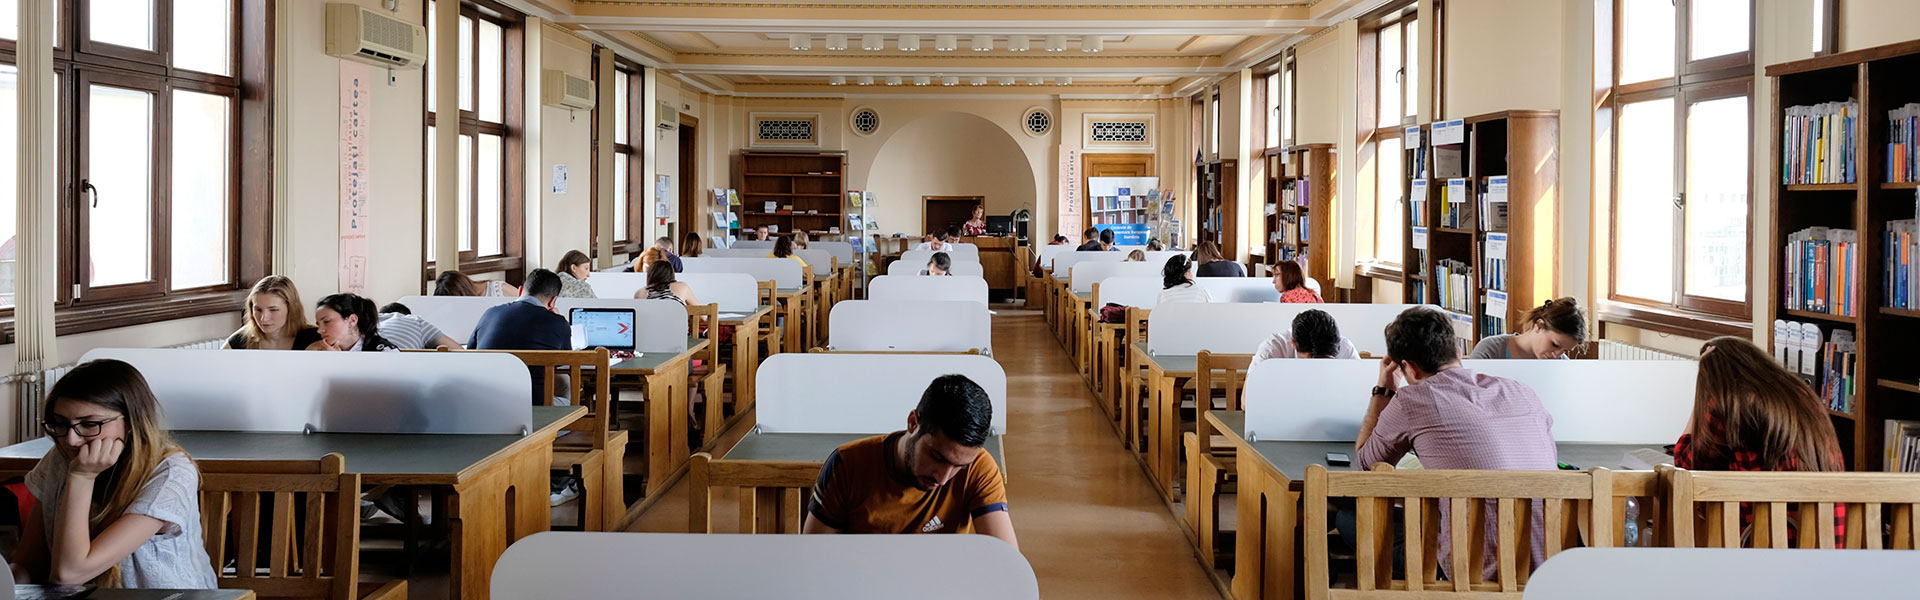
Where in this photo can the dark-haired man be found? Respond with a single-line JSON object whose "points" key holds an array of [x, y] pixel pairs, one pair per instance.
{"points": [[532, 323], [934, 477], [1313, 335], [1452, 417], [1090, 241]]}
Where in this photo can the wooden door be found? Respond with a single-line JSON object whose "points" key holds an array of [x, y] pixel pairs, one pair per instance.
{"points": [[1108, 165], [690, 191], [947, 212]]}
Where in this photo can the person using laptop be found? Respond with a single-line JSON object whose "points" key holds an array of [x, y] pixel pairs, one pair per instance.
{"points": [[934, 477], [530, 323]]}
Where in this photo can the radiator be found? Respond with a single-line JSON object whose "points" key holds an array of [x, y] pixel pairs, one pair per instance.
{"points": [[1612, 350], [29, 391]]}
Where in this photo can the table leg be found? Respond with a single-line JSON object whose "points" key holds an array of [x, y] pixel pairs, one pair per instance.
{"points": [[746, 362], [1165, 433], [529, 473], [659, 430], [680, 415], [478, 529], [790, 310]]}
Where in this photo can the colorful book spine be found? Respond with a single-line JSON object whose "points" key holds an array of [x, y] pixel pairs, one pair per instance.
{"points": [[1822, 271], [1817, 144]]}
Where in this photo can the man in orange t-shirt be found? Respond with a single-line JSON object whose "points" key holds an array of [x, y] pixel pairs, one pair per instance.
{"points": [[934, 477]]}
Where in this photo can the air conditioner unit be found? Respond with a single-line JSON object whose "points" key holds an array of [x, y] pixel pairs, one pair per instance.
{"points": [[564, 90], [669, 117], [369, 36]]}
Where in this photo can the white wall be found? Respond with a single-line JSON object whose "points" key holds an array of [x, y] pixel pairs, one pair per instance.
{"points": [[566, 138]]}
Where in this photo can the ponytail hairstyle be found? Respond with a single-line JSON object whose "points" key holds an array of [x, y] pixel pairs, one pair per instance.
{"points": [[1175, 273], [1756, 406], [368, 324], [117, 386], [1562, 315]]}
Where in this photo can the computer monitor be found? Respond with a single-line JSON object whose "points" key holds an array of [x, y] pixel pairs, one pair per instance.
{"points": [[1002, 225], [610, 328]]}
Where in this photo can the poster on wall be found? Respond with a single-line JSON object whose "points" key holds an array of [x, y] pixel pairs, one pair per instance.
{"points": [[1070, 217], [356, 112]]}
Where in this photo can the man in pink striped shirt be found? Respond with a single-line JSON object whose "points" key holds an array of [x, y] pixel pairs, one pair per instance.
{"points": [[1452, 417]]}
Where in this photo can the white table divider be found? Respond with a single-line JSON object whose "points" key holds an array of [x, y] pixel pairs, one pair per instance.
{"points": [[783, 271], [962, 268], [1747, 573], [1085, 273], [861, 393], [954, 252], [1238, 289], [334, 392], [1239, 328], [1142, 291], [905, 287], [1063, 264], [909, 326], [819, 262], [659, 325], [1592, 401], [751, 244], [841, 251], [455, 316]]}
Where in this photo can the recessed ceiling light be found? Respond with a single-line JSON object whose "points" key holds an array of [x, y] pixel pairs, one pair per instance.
{"points": [[1066, 81], [799, 41], [946, 42], [872, 42], [837, 80], [922, 80], [909, 43], [950, 80], [1036, 80], [1092, 44], [1006, 81], [893, 80], [836, 41], [1018, 43], [1056, 43], [978, 80], [982, 43], [866, 80]]}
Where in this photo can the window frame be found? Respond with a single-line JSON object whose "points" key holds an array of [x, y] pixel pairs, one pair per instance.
{"points": [[511, 129], [1404, 14], [1712, 78], [78, 62], [630, 146]]}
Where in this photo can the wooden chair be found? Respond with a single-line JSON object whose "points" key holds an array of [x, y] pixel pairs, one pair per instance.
{"points": [[1376, 522], [1210, 473], [1707, 509], [770, 328], [319, 559], [773, 494], [711, 377], [1226, 373], [589, 448]]}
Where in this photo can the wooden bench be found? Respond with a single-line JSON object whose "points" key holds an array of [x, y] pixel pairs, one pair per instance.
{"points": [[1707, 509]]}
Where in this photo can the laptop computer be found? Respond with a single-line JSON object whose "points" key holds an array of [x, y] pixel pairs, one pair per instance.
{"points": [[610, 328]]}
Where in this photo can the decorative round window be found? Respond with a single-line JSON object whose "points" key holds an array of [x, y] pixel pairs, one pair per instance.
{"points": [[1037, 121], [865, 120]]}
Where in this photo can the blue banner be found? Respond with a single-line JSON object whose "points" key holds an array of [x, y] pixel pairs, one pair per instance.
{"points": [[1127, 234]]}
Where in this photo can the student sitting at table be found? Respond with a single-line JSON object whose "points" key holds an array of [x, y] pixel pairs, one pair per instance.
{"points": [[783, 248], [1291, 282], [661, 285], [1058, 240], [348, 323], [275, 319], [800, 239], [665, 244], [1552, 329], [1155, 246], [939, 264], [762, 233], [1209, 263], [935, 242], [1137, 255], [690, 248], [1453, 418], [119, 502], [530, 323], [402, 329], [574, 268], [932, 478], [1313, 335], [1176, 282], [1751, 414], [455, 283], [1090, 241]]}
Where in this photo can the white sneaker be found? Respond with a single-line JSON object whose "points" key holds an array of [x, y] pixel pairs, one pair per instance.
{"points": [[563, 496]]}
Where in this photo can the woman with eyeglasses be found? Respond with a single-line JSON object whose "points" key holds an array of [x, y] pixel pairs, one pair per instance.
{"points": [[119, 502]]}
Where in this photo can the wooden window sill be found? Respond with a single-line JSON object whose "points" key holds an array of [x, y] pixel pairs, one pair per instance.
{"points": [[1380, 270], [69, 320], [1671, 321]]}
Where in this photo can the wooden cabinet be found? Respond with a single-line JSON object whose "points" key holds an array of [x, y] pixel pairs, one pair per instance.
{"points": [[807, 191]]}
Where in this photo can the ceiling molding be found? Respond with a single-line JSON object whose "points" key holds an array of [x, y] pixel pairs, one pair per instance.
{"points": [[929, 6], [1156, 26]]}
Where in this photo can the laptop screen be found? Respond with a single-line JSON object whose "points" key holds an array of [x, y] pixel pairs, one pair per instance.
{"points": [[610, 328]]}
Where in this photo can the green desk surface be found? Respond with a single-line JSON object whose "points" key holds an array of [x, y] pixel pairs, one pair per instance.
{"points": [[1083, 296], [745, 314], [1171, 363], [789, 291], [647, 362], [371, 454], [1291, 458], [46, 591], [814, 446]]}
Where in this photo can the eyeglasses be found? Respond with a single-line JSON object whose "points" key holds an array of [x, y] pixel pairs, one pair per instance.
{"points": [[86, 429]]}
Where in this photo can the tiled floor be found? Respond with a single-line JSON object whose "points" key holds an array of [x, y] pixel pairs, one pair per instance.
{"points": [[1088, 520]]}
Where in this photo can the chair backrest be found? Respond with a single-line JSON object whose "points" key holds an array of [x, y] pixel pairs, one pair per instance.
{"points": [[959, 269], [957, 255], [840, 251], [1241, 327], [1476, 501], [456, 316], [909, 325], [335, 392], [861, 393], [1086, 273], [709, 316], [681, 565], [659, 325], [1794, 509], [551, 365], [786, 272], [319, 495], [1227, 372], [903, 287]]}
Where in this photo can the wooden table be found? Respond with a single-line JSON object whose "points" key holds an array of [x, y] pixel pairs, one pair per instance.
{"points": [[663, 376], [773, 472], [478, 470], [746, 352], [49, 591], [1267, 552], [1162, 404], [792, 306]]}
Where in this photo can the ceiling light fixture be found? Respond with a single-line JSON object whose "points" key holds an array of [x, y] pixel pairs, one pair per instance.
{"points": [[872, 42], [982, 43], [893, 80], [799, 41], [950, 80], [1092, 44], [909, 43], [978, 80], [1066, 81], [866, 80], [837, 80], [836, 41], [1006, 81], [1036, 80], [1056, 43], [1019, 43], [946, 42], [922, 80]]}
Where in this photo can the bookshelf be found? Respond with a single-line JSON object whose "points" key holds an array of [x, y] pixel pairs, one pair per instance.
{"points": [[1299, 192], [1219, 206], [1862, 289], [808, 190], [1459, 253]]}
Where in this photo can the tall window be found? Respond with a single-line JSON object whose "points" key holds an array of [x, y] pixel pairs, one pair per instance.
{"points": [[156, 99], [628, 135], [1287, 91], [1682, 105], [1393, 39], [490, 115]]}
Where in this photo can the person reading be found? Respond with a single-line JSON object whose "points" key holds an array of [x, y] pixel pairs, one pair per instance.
{"points": [[934, 477], [1453, 418], [1091, 241], [1313, 335], [1291, 282], [1176, 283], [938, 264], [1552, 330], [349, 323]]}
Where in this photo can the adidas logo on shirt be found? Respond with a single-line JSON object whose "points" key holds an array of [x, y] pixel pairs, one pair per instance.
{"points": [[932, 526]]}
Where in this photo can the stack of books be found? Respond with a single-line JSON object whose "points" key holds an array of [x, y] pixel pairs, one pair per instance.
{"points": [[1903, 447], [1903, 144], [1902, 266], [1837, 372], [1822, 270], [1456, 281], [1818, 143]]}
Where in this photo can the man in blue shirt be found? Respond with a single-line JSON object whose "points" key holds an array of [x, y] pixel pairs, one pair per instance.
{"points": [[530, 323]]}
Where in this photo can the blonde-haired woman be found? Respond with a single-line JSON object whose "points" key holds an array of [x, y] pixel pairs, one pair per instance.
{"points": [[275, 319], [119, 501]]}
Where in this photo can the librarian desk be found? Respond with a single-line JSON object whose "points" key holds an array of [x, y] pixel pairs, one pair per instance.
{"points": [[1266, 561], [772, 472], [475, 471]]}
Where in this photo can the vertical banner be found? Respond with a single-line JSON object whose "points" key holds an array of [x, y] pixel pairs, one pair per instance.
{"points": [[356, 112], [1070, 217]]}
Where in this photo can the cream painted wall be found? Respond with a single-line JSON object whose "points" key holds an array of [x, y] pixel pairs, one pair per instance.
{"points": [[1317, 67], [566, 138], [945, 154], [1501, 55], [1864, 23]]}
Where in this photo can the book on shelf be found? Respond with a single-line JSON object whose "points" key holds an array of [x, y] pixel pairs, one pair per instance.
{"points": [[1417, 202], [1493, 204], [1822, 271], [1902, 446], [1827, 360], [1903, 144], [1494, 318], [1410, 140], [1455, 280], [1900, 262], [1457, 205], [1493, 261], [1839, 361], [1817, 143]]}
